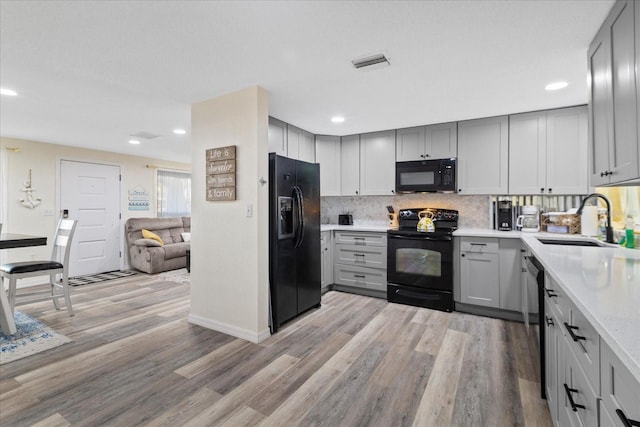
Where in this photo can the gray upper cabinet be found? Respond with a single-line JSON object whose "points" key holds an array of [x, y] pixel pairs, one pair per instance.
{"points": [[483, 156], [377, 163], [427, 142], [441, 140], [350, 165], [329, 157], [567, 151], [637, 32], [410, 144], [277, 137], [548, 152], [613, 112], [300, 144], [527, 153]]}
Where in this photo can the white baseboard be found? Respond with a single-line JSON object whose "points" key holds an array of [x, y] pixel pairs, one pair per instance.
{"points": [[245, 334]]}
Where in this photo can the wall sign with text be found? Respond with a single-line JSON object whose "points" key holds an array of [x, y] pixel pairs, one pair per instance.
{"points": [[221, 174]]}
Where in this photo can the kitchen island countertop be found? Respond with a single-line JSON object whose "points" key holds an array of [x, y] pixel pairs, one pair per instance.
{"points": [[604, 284]]}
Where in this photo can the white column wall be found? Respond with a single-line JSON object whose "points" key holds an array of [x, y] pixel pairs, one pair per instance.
{"points": [[229, 251]]}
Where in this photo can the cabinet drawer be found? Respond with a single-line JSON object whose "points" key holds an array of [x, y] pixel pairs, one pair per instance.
{"points": [[584, 341], [485, 245], [361, 277], [366, 256], [620, 390], [557, 298], [360, 238], [574, 387]]}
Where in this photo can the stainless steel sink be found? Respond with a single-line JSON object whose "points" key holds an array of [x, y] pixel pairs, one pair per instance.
{"points": [[570, 242]]}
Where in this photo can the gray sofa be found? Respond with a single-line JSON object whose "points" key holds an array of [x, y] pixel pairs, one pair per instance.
{"points": [[151, 257]]}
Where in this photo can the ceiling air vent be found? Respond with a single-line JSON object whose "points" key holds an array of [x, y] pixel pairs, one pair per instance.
{"points": [[144, 135], [371, 62]]}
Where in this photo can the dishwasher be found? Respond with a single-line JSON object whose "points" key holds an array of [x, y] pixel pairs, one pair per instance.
{"points": [[533, 289]]}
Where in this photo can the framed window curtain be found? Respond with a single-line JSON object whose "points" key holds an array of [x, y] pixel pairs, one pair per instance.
{"points": [[174, 193]]}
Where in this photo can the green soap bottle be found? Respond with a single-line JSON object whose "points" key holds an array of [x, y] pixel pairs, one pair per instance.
{"points": [[629, 237]]}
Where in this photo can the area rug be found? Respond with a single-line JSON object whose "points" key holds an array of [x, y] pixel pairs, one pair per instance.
{"points": [[97, 278], [31, 337], [179, 276]]}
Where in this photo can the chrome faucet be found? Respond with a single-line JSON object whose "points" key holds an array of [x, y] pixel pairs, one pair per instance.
{"points": [[609, 229]]}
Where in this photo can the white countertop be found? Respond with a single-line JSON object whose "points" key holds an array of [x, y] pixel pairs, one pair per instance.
{"points": [[604, 284], [357, 227]]}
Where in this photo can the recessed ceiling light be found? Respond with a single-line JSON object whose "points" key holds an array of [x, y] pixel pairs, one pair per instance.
{"points": [[556, 85], [337, 119], [134, 141], [179, 131], [8, 92]]}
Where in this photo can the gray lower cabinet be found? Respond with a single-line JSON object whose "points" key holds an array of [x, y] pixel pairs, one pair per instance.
{"points": [[620, 391], [360, 262], [326, 261], [510, 254], [488, 274], [586, 383], [480, 276], [578, 403], [552, 335]]}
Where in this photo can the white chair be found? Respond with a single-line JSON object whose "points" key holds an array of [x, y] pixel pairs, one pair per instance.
{"points": [[58, 265]]}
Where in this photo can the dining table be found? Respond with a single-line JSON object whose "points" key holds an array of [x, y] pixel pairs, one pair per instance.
{"points": [[10, 241]]}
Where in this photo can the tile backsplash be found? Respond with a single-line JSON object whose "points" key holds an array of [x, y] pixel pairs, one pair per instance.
{"points": [[371, 210]]}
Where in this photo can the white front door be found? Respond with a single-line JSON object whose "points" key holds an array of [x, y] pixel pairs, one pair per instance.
{"points": [[90, 193]]}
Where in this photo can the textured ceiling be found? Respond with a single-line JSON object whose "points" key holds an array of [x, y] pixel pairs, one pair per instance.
{"points": [[91, 73]]}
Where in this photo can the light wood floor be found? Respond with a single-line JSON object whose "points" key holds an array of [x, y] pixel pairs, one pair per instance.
{"points": [[356, 361]]}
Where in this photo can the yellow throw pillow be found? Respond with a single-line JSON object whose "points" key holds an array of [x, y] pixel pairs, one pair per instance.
{"points": [[153, 236]]}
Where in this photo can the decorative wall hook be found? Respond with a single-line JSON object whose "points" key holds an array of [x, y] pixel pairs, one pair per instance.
{"points": [[29, 201]]}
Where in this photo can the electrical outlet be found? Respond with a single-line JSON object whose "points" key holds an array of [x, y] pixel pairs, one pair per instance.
{"points": [[48, 212], [249, 210]]}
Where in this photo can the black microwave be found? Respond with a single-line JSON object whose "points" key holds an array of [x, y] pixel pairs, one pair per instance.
{"points": [[438, 175]]}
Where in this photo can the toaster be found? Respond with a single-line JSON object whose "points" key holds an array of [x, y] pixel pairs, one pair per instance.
{"points": [[345, 219]]}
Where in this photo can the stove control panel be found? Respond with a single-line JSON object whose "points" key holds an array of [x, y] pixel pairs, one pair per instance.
{"points": [[434, 213]]}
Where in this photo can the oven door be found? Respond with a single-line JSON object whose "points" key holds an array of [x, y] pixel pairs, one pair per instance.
{"points": [[420, 260]]}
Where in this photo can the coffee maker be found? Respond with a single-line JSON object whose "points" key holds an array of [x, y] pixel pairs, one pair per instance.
{"points": [[505, 215], [529, 220]]}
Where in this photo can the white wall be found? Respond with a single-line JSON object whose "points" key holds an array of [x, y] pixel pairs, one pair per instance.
{"points": [[43, 160], [230, 251]]}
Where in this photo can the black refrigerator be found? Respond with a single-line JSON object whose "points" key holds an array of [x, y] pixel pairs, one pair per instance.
{"points": [[294, 238]]}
